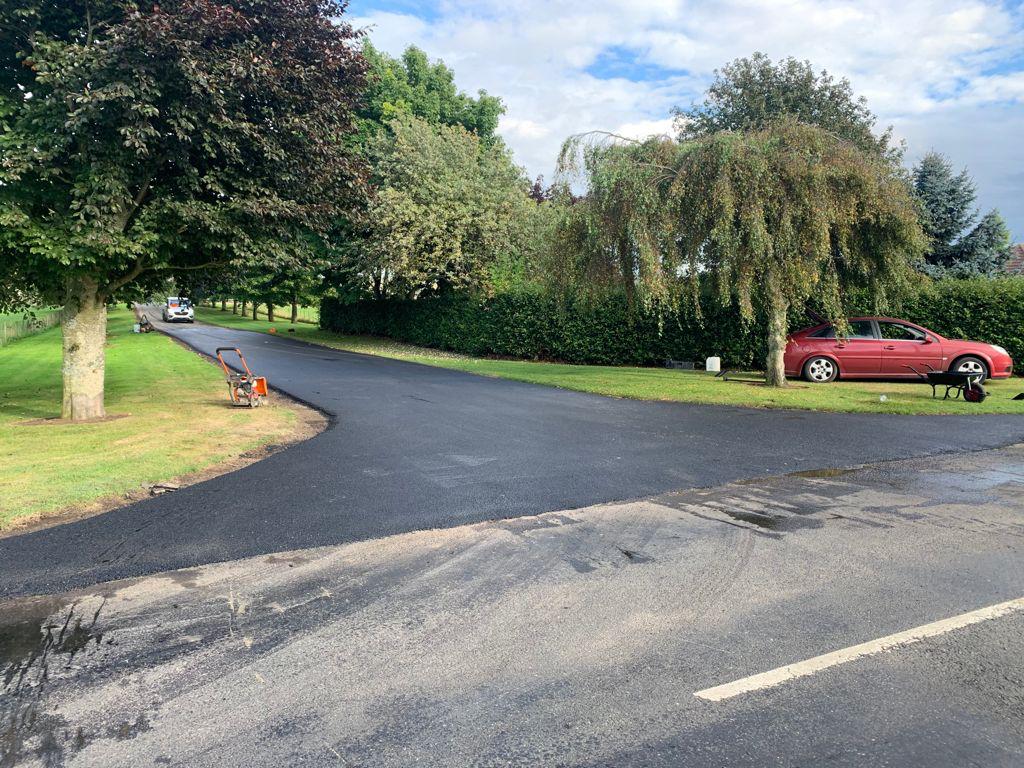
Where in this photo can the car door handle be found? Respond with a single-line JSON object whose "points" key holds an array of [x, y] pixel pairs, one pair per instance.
{"points": [[889, 346]]}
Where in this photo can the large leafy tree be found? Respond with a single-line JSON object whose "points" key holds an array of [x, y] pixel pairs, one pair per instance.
{"points": [[141, 140], [959, 244], [445, 209], [753, 92], [413, 85]]}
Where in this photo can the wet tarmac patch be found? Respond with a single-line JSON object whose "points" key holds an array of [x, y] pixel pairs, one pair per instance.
{"points": [[187, 578], [520, 526], [581, 566], [34, 632], [290, 560], [634, 556], [129, 730]]}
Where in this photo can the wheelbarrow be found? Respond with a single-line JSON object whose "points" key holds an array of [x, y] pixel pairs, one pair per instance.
{"points": [[966, 384], [244, 389]]}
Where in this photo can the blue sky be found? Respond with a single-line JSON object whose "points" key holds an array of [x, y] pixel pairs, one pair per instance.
{"points": [[946, 75]]}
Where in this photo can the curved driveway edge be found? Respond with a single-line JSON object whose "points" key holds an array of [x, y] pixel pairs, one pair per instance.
{"points": [[416, 447]]}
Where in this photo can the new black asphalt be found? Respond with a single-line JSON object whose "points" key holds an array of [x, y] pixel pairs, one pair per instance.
{"points": [[415, 447]]}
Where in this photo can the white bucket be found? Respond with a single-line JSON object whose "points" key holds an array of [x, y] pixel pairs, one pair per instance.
{"points": [[713, 365]]}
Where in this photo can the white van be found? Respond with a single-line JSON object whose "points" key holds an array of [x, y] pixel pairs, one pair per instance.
{"points": [[179, 308]]}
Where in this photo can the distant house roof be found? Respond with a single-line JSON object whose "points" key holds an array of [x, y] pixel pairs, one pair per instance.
{"points": [[1015, 266]]}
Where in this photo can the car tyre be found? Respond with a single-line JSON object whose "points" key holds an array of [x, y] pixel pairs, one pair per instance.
{"points": [[820, 370], [971, 364]]}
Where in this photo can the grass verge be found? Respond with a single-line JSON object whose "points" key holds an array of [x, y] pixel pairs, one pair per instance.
{"points": [[174, 423], [905, 397]]}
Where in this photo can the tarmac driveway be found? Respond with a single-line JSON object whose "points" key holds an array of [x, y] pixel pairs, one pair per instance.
{"points": [[415, 447]]}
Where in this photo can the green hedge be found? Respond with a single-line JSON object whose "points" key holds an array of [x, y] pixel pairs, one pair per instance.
{"points": [[603, 331]]}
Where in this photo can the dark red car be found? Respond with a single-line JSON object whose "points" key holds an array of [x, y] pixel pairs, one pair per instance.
{"points": [[882, 347]]}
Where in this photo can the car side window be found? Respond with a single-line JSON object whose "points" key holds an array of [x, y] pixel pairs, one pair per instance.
{"points": [[901, 332]]}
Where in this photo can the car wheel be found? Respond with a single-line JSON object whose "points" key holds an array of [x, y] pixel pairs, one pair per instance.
{"points": [[820, 370], [971, 364]]}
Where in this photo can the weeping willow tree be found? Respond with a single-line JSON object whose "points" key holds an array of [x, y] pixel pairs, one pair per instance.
{"points": [[792, 213], [620, 232], [774, 218]]}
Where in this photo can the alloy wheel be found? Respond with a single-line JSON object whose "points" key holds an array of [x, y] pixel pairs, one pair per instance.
{"points": [[972, 367], [821, 370]]}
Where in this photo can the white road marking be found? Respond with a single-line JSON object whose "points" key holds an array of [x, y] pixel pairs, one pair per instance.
{"points": [[810, 666]]}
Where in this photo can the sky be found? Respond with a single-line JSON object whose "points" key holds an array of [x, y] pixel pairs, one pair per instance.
{"points": [[947, 76]]}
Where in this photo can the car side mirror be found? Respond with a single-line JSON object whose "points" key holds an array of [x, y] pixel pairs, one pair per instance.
{"points": [[929, 340]]}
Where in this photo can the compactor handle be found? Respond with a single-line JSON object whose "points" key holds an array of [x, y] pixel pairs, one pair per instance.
{"points": [[238, 352]]}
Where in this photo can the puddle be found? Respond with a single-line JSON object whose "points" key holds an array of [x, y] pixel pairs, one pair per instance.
{"points": [[770, 522], [22, 629], [827, 472]]}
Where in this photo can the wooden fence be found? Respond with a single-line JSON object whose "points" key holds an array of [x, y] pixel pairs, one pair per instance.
{"points": [[18, 324]]}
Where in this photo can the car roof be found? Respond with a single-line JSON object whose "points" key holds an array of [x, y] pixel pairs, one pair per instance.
{"points": [[872, 317]]}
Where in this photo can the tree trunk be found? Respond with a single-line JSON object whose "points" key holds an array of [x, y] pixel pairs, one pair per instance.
{"points": [[255, 310], [223, 305], [234, 306], [270, 311], [775, 364], [244, 304], [627, 265], [84, 330], [295, 310]]}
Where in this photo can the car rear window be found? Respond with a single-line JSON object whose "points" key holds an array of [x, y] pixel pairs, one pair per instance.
{"points": [[859, 329]]}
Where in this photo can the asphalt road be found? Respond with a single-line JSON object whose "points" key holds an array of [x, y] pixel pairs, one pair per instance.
{"points": [[415, 447], [574, 638]]}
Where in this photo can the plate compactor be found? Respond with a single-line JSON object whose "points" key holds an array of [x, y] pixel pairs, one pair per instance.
{"points": [[244, 389]]}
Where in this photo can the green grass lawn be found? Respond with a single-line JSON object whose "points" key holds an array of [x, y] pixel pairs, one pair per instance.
{"points": [[169, 397], [658, 383]]}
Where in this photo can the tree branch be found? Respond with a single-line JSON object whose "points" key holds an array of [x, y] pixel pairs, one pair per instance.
{"points": [[140, 266], [88, 25], [137, 202], [137, 269], [205, 265]]}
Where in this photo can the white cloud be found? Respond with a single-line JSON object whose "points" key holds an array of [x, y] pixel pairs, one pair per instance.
{"points": [[934, 69], [642, 129]]}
